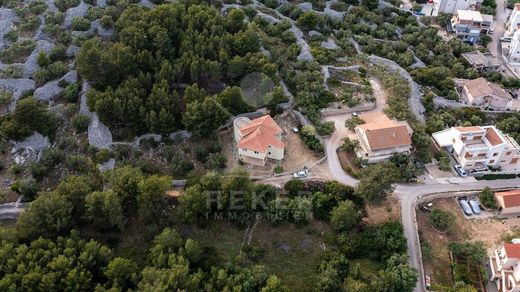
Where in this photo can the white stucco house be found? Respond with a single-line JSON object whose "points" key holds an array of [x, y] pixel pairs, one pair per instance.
{"points": [[258, 139], [478, 148], [482, 93], [505, 267]]}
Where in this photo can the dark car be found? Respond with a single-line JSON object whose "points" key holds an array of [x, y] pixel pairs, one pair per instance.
{"points": [[424, 209]]}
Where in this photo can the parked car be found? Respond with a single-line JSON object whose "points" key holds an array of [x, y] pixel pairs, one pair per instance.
{"points": [[460, 170], [506, 39], [295, 129], [474, 206], [513, 93], [424, 209], [465, 207], [354, 114], [301, 173]]}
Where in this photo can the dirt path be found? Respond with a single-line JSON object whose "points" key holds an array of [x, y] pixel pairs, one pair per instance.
{"points": [[379, 94]]}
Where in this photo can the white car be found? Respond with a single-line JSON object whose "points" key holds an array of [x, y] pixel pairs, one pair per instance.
{"points": [[460, 171], [301, 173], [295, 129]]}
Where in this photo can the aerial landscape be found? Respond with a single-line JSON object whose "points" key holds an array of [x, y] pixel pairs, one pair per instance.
{"points": [[260, 145]]}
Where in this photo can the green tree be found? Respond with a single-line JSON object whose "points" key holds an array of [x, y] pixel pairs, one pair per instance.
{"points": [[487, 198], [376, 182], [441, 220], [344, 216], [49, 215], [121, 272], [124, 181], [399, 276], [104, 210], [152, 197], [194, 204]]}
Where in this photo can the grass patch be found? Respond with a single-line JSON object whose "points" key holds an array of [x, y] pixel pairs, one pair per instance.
{"points": [[291, 253]]}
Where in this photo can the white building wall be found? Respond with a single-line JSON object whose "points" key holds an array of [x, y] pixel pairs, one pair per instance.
{"points": [[513, 22], [514, 49], [451, 6]]}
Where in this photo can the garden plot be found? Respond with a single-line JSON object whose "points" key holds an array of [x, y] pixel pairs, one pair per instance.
{"points": [[350, 88]]}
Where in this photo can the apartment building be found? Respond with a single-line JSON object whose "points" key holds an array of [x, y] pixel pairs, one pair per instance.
{"points": [[505, 267], [514, 49], [451, 6], [380, 137], [479, 149], [468, 25], [514, 21], [482, 93], [258, 139]]}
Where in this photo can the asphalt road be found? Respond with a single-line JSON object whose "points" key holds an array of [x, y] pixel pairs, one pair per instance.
{"points": [[500, 20]]}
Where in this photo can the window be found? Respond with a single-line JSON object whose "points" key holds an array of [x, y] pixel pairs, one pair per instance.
{"points": [[492, 161], [453, 140], [508, 153], [464, 139], [495, 154], [256, 152], [514, 160]]}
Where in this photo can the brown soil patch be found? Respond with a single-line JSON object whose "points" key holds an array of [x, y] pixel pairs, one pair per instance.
{"points": [[389, 211]]}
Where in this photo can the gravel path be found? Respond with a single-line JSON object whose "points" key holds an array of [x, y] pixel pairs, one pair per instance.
{"points": [[414, 101]]}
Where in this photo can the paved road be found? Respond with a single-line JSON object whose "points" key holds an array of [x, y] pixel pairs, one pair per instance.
{"points": [[500, 20], [408, 195]]}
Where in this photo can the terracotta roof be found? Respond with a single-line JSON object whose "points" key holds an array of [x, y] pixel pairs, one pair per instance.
{"points": [[511, 198], [493, 137], [259, 134], [517, 6], [481, 87], [469, 129], [382, 132], [512, 250]]}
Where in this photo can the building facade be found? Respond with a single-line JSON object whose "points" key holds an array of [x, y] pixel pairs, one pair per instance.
{"points": [[505, 267], [514, 21], [380, 137], [508, 201], [258, 139], [514, 49], [468, 25], [480, 149]]}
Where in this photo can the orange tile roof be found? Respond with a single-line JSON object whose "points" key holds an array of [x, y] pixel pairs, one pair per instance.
{"points": [[260, 134], [493, 137], [512, 250], [511, 198], [382, 132], [517, 6]]}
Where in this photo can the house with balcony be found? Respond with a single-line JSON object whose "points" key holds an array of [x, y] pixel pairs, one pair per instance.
{"points": [[505, 267], [480, 149], [482, 93], [381, 137], [468, 25], [513, 24], [258, 139]]}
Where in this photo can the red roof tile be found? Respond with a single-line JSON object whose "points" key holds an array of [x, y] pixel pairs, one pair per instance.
{"points": [[259, 134], [512, 250], [511, 198]]}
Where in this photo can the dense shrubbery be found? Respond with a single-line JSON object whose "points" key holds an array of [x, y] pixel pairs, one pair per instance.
{"points": [[17, 51], [133, 76], [28, 117]]}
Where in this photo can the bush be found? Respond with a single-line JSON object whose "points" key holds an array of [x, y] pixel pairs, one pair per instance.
{"points": [[52, 157], [11, 36], [18, 51], [63, 5], [353, 122], [71, 92], [442, 221], [38, 170], [50, 72], [344, 216], [80, 123], [326, 128], [307, 134], [28, 117], [216, 160], [15, 169], [78, 163], [107, 21], [278, 169], [80, 24], [103, 156], [487, 198], [54, 17], [27, 188]]}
